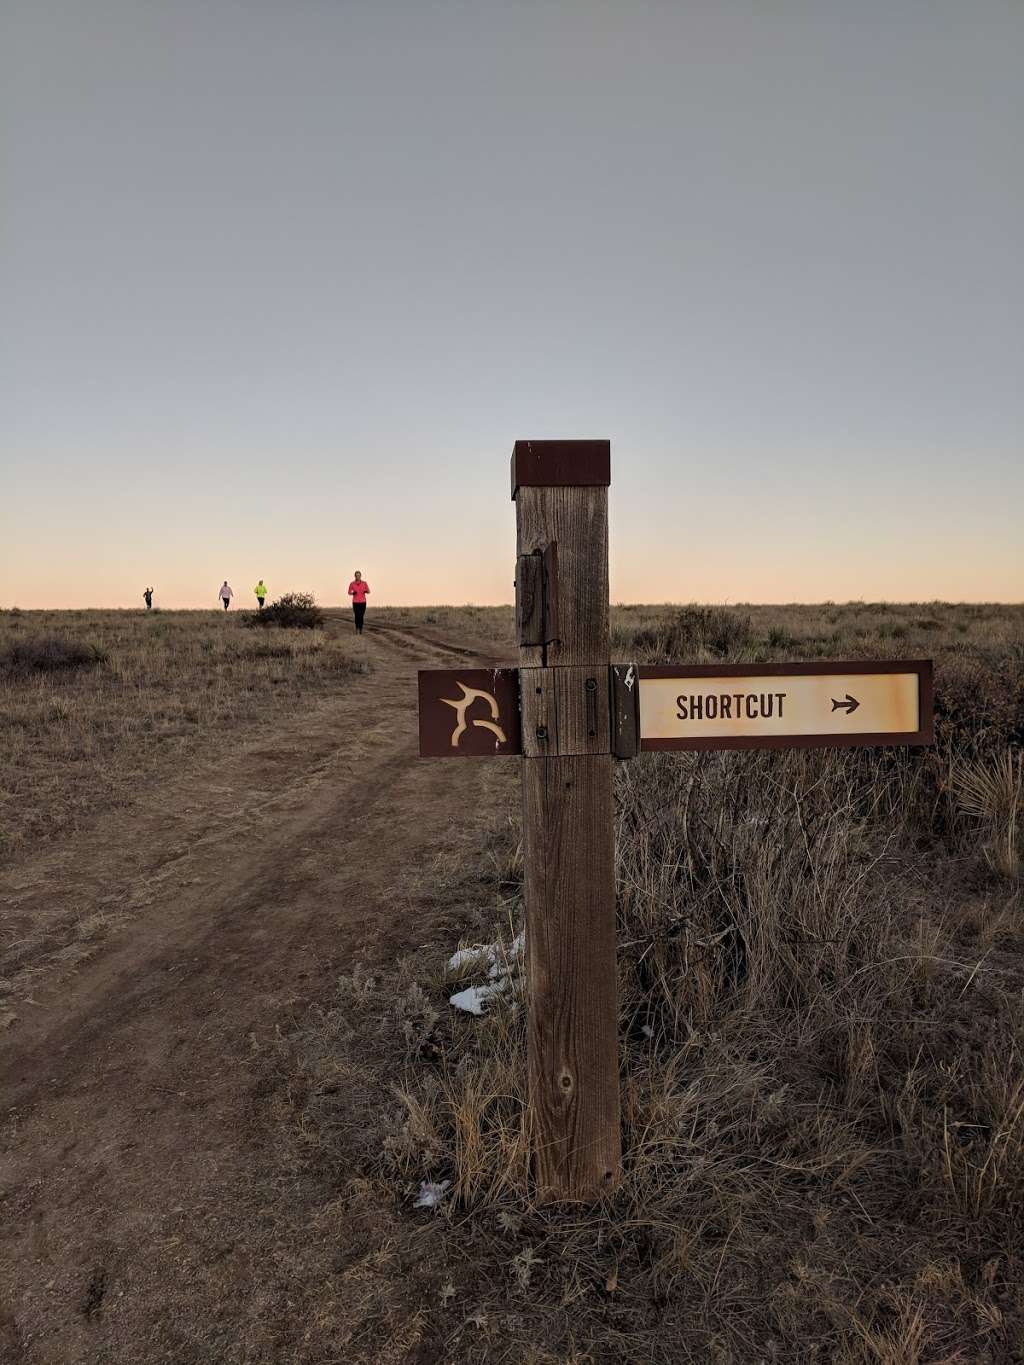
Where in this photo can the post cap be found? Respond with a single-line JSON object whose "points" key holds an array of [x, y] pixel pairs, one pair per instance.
{"points": [[561, 464]]}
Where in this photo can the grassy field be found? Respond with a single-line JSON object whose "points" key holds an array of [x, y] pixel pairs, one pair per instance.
{"points": [[821, 980], [821, 990], [95, 703]]}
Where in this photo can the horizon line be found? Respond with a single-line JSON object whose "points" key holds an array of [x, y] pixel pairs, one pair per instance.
{"points": [[510, 605]]}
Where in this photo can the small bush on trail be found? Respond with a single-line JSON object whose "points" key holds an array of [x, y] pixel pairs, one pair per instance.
{"points": [[294, 609], [50, 654]]}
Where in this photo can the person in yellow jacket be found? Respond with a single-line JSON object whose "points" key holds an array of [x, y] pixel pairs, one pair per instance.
{"points": [[261, 593]]}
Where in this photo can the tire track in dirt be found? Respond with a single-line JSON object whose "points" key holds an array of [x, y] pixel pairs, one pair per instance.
{"points": [[76, 896], [406, 637], [126, 1102]]}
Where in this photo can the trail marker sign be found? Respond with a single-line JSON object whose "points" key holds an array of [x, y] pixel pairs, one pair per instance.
{"points": [[567, 711], [477, 712], [786, 706], [469, 712]]}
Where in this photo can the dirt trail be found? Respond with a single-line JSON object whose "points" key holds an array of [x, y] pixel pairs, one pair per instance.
{"points": [[162, 950]]}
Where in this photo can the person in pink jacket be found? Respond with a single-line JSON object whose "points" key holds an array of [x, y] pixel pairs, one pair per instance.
{"points": [[357, 590], [225, 594]]}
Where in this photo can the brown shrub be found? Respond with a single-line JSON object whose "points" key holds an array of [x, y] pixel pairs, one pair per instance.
{"points": [[721, 632], [50, 654]]}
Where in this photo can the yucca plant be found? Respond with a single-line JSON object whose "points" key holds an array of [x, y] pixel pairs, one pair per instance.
{"points": [[992, 790]]}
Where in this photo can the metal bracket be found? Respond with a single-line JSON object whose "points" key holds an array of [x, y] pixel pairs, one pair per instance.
{"points": [[568, 710], [624, 709], [537, 596], [564, 711]]}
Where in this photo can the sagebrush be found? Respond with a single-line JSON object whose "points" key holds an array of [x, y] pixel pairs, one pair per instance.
{"points": [[293, 611]]}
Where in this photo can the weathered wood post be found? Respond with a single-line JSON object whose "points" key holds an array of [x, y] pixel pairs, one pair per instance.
{"points": [[561, 493], [566, 711]]}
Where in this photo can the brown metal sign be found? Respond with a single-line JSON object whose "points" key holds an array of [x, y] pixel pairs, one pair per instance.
{"points": [[786, 706], [469, 712]]}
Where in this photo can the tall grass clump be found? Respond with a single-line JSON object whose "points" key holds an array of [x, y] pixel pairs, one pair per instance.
{"points": [[992, 790], [50, 654], [692, 634]]}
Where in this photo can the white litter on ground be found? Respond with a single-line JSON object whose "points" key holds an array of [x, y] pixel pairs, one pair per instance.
{"points": [[480, 955], [473, 998], [510, 961], [491, 955], [501, 964], [430, 1194]]}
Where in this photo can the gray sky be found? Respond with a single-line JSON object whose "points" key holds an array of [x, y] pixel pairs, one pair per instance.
{"points": [[282, 284]]}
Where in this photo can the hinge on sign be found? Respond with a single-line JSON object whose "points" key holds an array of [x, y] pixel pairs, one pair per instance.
{"points": [[537, 596], [624, 710]]}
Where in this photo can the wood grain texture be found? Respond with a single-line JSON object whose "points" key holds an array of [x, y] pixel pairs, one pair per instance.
{"points": [[530, 599], [577, 518], [571, 977], [569, 856], [564, 711]]}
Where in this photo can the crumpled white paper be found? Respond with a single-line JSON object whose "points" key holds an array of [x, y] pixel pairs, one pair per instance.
{"points": [[490, 955], [474, 998], [501, 963], [430, 1194]]}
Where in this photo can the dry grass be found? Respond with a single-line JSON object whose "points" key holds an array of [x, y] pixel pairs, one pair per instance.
{"points": [[822, 1045], [992, 789], [94, 702], [821, 981]]}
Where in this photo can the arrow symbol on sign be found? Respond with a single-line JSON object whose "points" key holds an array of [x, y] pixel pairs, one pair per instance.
{"points": [[849, 705]]}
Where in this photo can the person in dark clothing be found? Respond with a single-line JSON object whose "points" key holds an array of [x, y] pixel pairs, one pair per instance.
{"points": [[148, 595]]}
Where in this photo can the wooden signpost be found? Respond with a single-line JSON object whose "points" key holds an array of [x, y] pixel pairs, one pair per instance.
{"points": [[567, 711]]}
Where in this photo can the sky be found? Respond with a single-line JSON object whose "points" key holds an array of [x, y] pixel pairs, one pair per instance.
{"points": [[282, 283]]}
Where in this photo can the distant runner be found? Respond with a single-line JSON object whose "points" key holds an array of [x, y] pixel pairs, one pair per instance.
{"points": [[357, 590], [148, 595], [225, 594], [261, 593]]}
